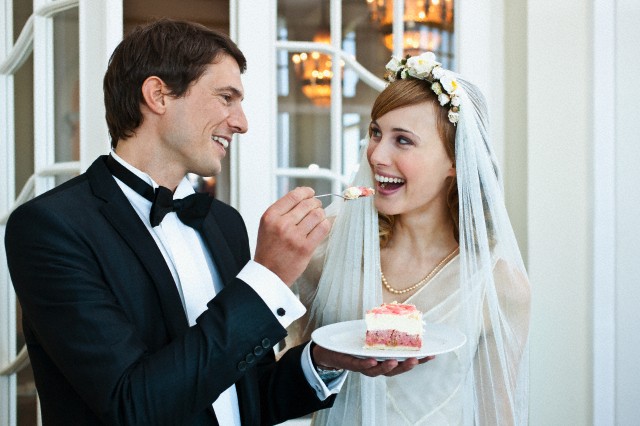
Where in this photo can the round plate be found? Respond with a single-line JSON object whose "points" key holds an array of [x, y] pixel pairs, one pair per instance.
{"points": [[348, 338]]}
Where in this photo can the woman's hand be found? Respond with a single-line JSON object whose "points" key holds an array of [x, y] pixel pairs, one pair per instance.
{"points": [[369, 367]]}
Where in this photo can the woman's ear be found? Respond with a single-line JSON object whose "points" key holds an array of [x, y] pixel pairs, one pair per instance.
{"points": [[154, 93], [452, 170]]}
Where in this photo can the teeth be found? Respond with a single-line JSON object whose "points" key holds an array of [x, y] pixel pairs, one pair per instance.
{"points": [[384, 179], [221, 141]]}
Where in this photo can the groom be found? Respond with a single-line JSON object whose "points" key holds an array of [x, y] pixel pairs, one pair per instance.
{"points": [[141, 304]]}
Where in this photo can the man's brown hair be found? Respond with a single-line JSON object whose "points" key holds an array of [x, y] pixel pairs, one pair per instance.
{"points": [[175, 51]]}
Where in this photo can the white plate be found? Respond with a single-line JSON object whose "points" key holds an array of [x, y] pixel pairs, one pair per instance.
{"points": [[348, 337]]}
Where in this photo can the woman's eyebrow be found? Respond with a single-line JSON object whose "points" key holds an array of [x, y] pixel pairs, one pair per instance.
{"points": [[400, 129]]}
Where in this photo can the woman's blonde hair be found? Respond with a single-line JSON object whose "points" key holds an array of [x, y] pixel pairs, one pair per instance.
{"points": [[403, 93]]}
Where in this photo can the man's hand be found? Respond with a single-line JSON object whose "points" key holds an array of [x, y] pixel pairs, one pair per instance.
{"points": [[290, 230], [369, 367]]}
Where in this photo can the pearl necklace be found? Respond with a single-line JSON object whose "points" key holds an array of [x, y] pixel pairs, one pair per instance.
{"points": [[422, 281]]}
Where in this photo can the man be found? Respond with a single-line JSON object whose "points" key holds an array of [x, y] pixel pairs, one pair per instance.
{"points": [[136, 308]]}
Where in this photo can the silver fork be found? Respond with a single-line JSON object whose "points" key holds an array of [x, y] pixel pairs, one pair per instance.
{"points": [[329, 195]]}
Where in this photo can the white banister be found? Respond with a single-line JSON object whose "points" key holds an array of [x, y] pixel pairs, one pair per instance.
{"points": [[28, 190], [24, 44]]}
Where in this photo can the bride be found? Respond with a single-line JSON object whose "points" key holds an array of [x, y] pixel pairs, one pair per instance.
{"points": [[437, 235]]}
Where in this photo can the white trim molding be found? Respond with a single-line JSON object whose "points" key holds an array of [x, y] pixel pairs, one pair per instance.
{"points": [[24, 44], [604, 213]]}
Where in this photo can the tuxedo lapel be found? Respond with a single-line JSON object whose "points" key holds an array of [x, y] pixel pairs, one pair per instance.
{"points": [[125, 221]]}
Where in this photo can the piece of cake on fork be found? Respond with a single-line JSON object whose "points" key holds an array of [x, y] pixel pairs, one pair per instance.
{"points": [[354, 192], [394, 326]]}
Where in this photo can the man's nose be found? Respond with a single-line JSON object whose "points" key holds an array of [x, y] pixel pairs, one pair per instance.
{"points": [[238, 121]]}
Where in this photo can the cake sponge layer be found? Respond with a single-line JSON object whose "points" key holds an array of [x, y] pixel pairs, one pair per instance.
{"points": [[392, 339]]}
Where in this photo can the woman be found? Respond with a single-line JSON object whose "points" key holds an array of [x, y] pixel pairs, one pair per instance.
{"points": [[436, 235]]}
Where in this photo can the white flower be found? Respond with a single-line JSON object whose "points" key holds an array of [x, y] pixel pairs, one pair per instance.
{"points": [[443, 98], [394, 64], [437, 72], [448, 82], [421, 66], [425, 67]]}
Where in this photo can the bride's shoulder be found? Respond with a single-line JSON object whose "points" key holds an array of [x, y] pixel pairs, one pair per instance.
{"points": [[512, 282]]}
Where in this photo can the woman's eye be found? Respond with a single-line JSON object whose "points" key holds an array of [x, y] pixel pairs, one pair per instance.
{"points": [[375, 133], [404, 141]]}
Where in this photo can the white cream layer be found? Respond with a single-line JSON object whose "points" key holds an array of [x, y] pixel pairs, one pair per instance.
{"points": [[411, 324]]}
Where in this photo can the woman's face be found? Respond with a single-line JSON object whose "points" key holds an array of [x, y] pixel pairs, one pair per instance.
{"points": [[409, 161]]}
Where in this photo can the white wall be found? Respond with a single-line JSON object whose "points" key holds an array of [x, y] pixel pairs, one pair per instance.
{"points": [[559, 139]]}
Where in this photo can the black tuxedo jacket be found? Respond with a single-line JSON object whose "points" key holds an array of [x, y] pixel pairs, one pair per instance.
{"points": [[107, 336]]}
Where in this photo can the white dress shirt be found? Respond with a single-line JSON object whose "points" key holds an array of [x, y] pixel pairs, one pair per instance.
{"points": [[188, 258]]}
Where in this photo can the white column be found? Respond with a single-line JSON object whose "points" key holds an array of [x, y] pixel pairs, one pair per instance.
{"points": [[336, 95], [7, 128], [515, 119], [100, 32], [7, 195], [479, 32], [253, 155], [43, 100]]}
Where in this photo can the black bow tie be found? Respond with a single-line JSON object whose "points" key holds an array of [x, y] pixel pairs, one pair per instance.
{"points": [[191, 210]]}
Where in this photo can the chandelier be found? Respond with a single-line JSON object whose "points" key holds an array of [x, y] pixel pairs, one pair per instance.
{"points": [[426, 22], [314, 72]]}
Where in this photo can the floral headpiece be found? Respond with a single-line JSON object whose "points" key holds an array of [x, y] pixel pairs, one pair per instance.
{"points": [[425, 67]]}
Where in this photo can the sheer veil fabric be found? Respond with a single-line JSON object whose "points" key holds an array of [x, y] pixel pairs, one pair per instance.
{"points": [[483, 291]]}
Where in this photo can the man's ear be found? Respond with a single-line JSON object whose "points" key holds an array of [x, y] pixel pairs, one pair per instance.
{"points": [[154, 93]]}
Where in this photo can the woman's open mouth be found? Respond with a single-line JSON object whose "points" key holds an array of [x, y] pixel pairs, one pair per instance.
{"points": [[388, 184]]}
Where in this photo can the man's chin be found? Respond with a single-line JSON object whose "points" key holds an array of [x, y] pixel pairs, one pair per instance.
{"points": [[210, 170]]}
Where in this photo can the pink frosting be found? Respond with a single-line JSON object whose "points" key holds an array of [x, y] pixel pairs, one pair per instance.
{"points": [[393, 309], [365, 191]]}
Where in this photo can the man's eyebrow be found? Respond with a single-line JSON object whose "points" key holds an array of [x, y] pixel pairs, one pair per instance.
{"points": [[236, 92]]}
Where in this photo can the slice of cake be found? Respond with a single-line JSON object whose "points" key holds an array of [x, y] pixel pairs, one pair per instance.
{"points": [[354, 192], [394, 326]]}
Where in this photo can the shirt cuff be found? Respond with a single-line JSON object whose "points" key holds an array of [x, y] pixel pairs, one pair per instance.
{"points": [[323, 390], [282, 302]]}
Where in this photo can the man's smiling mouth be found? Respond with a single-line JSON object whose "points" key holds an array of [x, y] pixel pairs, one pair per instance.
{"points": [[222, 141]]}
